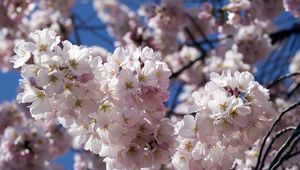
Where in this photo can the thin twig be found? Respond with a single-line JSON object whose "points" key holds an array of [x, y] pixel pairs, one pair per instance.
{"points": [[274, 138], [212, 40], [292, 155], [281, 78], [293, 146], [278, 36], [289, 141], [293, 106], [293, 88], [190, 64], [293, 142], [198, 28], [195, 43]]}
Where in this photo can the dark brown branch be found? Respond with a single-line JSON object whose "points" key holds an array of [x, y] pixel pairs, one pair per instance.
{"points": [[293, 142], [190, 64], [293, 106], [293, 88], [198, 28], [281, 78], [296, 153], [274, 138], [280, 35], [277, 158]]}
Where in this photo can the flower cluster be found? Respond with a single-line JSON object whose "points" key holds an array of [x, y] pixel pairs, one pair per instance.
{"points": [[232, 112], [250, 158], [119, 18], [113, 108], [10, 116], [18, 17], [166, 20], [129, 124], [253, 42], [232, 61], [26, 145], [31, 144], [183, 57], [169, 23], [13, 11], [245, 11], [6, 51]]}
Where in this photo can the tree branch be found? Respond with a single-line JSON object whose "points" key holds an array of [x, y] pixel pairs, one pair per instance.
{"points": [[281, 78], [274, 138], [293, 142], [293, 106]]}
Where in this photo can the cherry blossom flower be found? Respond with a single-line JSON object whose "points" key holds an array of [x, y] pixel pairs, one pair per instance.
{"points": [[72, 85], [118, 17], [10, 116], [232, 112], [253, 42], [232, 61], [183, 57], [6, 49], [28, 142]]}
